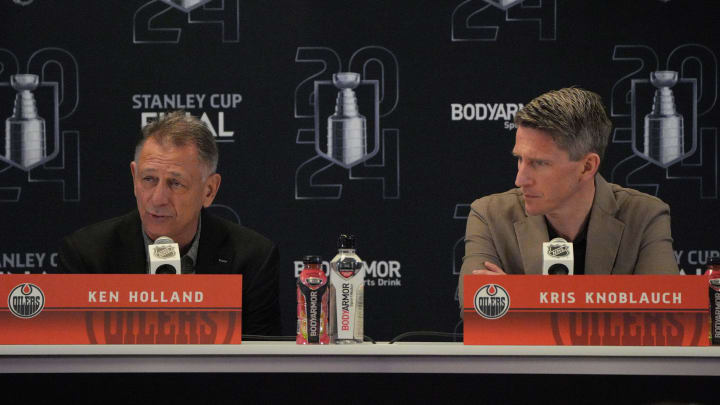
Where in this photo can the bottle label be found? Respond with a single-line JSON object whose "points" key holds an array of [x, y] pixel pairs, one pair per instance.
{"points": [[347, 278], [312, 309], [715, 311]]}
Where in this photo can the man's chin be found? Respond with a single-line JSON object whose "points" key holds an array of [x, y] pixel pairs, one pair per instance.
{"points": [[533, 210], [155, 230]]}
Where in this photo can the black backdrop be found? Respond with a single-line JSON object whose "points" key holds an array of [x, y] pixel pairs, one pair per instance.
{"points": [[441, 80]]}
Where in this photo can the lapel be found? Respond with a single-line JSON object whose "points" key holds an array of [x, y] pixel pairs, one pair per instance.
{"points": [[215, 254], [133, 259], [531, 232], [604, 230]]}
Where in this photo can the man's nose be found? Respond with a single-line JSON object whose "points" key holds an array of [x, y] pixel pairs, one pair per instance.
{"points": [[522, 179], [159, 195]]}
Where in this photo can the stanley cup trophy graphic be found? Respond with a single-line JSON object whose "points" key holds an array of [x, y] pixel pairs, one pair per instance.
{"points": [[504, 4], [24, 130], [187, 4], [663, 139], [347, 134]]}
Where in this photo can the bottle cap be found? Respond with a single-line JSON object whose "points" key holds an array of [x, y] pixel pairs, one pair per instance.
{"points": [[312, 259], [346, 242]]}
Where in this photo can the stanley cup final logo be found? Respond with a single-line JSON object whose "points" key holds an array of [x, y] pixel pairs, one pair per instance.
{"points": [[25, 130], [347, 132], [663, 140]]}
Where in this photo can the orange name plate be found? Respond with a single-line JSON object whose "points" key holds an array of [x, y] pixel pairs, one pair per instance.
{"points": [[586, 310], [120, 309]]}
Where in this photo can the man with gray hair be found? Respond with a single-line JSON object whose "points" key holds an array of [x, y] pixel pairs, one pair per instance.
{"points": [[560, 141], [174, 181]]}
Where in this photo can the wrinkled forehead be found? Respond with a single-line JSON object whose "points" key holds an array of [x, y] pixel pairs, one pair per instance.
{"points": [[167, 155]]}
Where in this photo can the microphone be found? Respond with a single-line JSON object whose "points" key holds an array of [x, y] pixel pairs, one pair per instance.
{"points": [[164, 256], [557, 257]]}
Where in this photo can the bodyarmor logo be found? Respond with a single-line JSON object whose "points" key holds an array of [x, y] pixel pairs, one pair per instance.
{"points": [[315, 281], [313, 314], [558, 250], [26, 301], [484, 111], [378, 273], [491, 301], [348, 266]]}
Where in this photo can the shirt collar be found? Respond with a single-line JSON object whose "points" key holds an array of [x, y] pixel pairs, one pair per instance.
{"points": [[188, 260]]}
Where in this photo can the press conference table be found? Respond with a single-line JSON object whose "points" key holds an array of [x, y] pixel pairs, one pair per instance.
{"points": [[405, 357]]}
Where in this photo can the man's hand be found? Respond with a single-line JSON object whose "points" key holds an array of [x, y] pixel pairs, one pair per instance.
{"points": [[490, 269]]}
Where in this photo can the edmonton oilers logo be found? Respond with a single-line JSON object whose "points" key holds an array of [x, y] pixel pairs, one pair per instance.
{"points": [[491, 301], [26, 300]]}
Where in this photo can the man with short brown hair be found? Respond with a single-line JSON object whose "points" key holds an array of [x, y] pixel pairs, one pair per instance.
{"points": [[560, 141]]}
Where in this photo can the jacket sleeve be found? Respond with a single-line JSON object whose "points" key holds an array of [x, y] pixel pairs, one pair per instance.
{"points": [[479, 244], [261, 308], [69, 258], [656, 255]]}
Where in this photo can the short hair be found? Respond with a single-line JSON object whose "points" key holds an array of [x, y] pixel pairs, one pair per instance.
{"points": [[180, 129], [575, 118]]}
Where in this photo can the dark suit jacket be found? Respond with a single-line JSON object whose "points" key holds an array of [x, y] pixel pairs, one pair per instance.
{"points": [[117, 246]]}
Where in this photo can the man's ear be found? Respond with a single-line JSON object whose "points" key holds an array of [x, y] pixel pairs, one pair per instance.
{"points": [[212, 185], [591, 164], [133, 168]]}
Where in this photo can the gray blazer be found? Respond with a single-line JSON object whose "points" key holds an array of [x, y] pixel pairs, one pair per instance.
{"points": [[628, 233]]}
